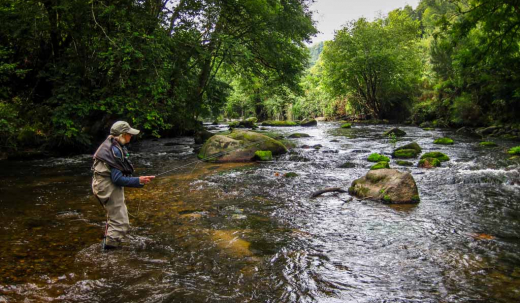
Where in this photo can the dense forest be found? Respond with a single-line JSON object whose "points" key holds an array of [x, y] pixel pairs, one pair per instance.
{"points": [[70, 68]]}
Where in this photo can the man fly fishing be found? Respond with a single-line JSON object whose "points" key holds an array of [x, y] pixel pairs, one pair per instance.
{"points": [[112, 173]]}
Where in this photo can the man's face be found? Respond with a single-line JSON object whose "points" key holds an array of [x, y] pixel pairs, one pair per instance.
{"points": [[127, 137]]}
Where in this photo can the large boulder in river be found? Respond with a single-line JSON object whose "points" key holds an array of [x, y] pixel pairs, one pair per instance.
{"points": [[309, 122], [239, 146], [386, 185], [202, 136]]}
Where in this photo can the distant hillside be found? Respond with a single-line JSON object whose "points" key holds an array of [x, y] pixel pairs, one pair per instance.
{"points": [[315, 52]]}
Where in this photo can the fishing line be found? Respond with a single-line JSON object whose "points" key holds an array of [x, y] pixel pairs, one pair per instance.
{"points": [[221, 154]]}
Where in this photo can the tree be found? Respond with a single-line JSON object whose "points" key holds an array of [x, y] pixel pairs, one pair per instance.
{"points": [[375, 64]]}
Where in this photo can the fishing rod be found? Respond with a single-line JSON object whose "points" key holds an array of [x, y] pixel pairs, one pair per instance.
{"points": [[221, 154]]}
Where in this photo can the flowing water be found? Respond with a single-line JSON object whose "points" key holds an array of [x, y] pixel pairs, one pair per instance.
{"points": [[246, 233]]}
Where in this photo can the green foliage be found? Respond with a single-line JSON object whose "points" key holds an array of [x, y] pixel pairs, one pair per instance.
{"points": [[375, 65], [378, 158], [315, 52]]}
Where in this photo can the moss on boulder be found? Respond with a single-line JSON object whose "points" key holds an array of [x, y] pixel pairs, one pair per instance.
{"points": [[386, 185], [299, 135], [429, 163], [444, 141], [239, 146], [413, 146], [380, 165], [514, 150], [279, 123], [396, 131], [377, 158], [346, 125], [438, 155], [309, 122], [290, 175], [405, 153], [264, 155], [488, 144], [403, 163]]}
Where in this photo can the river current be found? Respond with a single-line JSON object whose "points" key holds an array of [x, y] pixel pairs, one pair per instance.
{"points": [[246, 233]]}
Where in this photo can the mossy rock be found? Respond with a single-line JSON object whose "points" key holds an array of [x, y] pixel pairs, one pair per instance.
{"points": [[428, 128], [405, 153], [380, 165], [386, 185], [264, 155], [429, 163], [514, 150], [413, 146], [290, 175], [251, 119], [202, 136], [347, 165], [309, 122], [243, 124], [488, 144], [396, 131], [443, 141], [437, 155], [239, 146], [279, 123], [299, 135], [403, 163], [377, 158], [346, 125]]}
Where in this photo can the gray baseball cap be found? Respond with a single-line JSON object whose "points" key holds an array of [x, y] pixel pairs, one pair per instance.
{"points": [[121, 127]]}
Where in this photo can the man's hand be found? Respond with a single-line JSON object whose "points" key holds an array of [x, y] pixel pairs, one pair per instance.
{"points": [[146, 179]]}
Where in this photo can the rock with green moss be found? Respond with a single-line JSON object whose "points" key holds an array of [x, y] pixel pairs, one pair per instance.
{"points": [[290, 175], [309, 122], [405, 153], [403, 163], [264, 155], [386, 185], [378, 158], [514, 150], [243, 124], [396, 132], [346, 125], [279, 123], [299, 135], [429, 163], [251, 119], [428, 128], [488, 144], [380, 165], [443, 141], [239, 146], [437, 155], [413, 146], [202, 136]]}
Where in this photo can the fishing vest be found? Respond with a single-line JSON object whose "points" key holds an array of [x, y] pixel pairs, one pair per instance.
{"points": [[106, 154]]}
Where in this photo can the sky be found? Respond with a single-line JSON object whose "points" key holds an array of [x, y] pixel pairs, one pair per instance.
{"points": [[330, 15]]}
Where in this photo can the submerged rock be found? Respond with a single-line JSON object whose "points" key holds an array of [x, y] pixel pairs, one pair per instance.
{"points": [[488, 144], [290, 175], [347, 165], [403, 163], [396, 131], [239, 146], [387, 185], [299, 135], [309, 122]]}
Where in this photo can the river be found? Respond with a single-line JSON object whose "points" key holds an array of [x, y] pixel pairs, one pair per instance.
{"points": [[245, 233]]}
